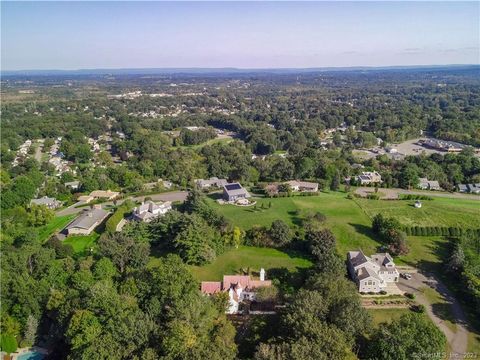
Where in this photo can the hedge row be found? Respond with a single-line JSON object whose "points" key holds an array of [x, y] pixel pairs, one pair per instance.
{"points": [[118, 215], [438, 231], [415, 197]]}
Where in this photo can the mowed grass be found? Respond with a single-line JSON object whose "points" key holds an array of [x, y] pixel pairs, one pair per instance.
{"points": [[57, 224], [386, 315], [234, 260], [82, 244], [426, 252], [437, 212], [344, 217]]}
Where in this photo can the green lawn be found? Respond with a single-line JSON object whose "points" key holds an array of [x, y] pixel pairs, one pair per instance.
{"points": [[245, 257], [82, 244], [436, 212], [57, 224], [344, 217], [426, 252], [386, 315]]}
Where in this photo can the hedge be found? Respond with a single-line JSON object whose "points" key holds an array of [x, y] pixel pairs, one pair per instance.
{"points": [[414, 197], [438, 231], [118, 215]]}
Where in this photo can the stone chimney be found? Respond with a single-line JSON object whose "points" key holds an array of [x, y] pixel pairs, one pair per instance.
{"points": [[262, 274]]}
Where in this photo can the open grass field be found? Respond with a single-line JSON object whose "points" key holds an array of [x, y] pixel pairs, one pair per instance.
{"points": [[254, 258], [345, 218], [437, 212], [81, 243], [57, 224]]}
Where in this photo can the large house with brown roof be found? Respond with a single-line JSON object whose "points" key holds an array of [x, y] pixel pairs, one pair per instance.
{"points": [[371, 274], [239, 288]]}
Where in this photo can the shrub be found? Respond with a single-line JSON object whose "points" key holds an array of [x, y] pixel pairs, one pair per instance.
{"points": [[410, 295], [383, 292]]}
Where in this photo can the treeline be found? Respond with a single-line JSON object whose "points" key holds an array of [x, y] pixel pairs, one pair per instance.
{"points": [[463, 265], [195, 137]]}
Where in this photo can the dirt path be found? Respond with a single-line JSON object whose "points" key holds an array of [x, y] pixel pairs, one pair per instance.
{"points": [[458, 339]]}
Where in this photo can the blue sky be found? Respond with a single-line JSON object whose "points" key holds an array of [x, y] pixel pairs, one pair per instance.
{"points": [[83, 35]]}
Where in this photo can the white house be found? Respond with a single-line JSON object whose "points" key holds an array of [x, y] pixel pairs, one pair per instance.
{"points": [[212, 182], [234, 192], [148, 211], [369, 177], [303, 186], [239, 288], [50, 203], [371, 274], [425, 184]]}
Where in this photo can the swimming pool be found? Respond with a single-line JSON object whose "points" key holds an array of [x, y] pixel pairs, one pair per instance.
{"points": [[31, 355]]}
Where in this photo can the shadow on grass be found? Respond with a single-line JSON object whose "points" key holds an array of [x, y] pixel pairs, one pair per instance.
{"points": [[365, 230], [286, 280]]}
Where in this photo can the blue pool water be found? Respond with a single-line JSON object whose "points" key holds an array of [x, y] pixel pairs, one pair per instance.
{"points": [[31, 355]]}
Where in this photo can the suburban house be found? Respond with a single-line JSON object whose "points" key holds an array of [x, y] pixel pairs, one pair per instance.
{"points": [[86, 222], [148, 210], [212, 182], [239, 288], [469, 188], [104, 194], [233, 192], [425, 184], [371, 274], [369, 177], [302, 186], [74, 185], [85, 198], [49, 202]]}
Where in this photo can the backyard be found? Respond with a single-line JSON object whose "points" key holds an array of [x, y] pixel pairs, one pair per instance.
{"points": [[57, 224], [252, 258]]}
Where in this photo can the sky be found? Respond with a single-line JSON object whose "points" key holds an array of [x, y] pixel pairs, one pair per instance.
{"points": [[120, 34]]}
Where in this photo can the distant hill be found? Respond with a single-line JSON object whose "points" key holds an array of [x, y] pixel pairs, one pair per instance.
{"points": [[226, 71]]}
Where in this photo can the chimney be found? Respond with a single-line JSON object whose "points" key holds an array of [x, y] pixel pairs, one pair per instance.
{"points": [[262, 274]]}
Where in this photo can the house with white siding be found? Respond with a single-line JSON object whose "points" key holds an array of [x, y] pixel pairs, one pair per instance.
{"points": [[371, 274]]}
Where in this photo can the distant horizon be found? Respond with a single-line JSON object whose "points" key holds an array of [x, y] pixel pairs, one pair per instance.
{"points": [[237, 69], [246, 35]]}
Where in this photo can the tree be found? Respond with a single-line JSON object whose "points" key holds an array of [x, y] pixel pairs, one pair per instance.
{"points": [[410, 336], [280, 233], [8, 343], [30, 333], [39, 215], [124, 251], [322, 245]]}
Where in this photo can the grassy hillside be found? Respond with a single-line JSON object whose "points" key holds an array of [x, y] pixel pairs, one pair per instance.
{"points": [[438, 212], [344, 217], [57, 224]]}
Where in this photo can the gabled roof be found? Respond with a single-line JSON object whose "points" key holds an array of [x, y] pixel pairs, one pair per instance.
{"points": [[44, 201], [88, 218], [365, 273], [357, 258], [211, 287], [235, 189]]}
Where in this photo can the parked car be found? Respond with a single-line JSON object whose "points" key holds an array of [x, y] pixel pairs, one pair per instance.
{"points": [[406, 276]]}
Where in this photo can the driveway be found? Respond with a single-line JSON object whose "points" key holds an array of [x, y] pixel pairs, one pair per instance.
{"points": [[166, 196], [457, 340]]}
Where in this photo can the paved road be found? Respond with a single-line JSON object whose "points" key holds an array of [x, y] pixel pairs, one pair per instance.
{"points": [[457, 340], [166, 196], [393, 193]]}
